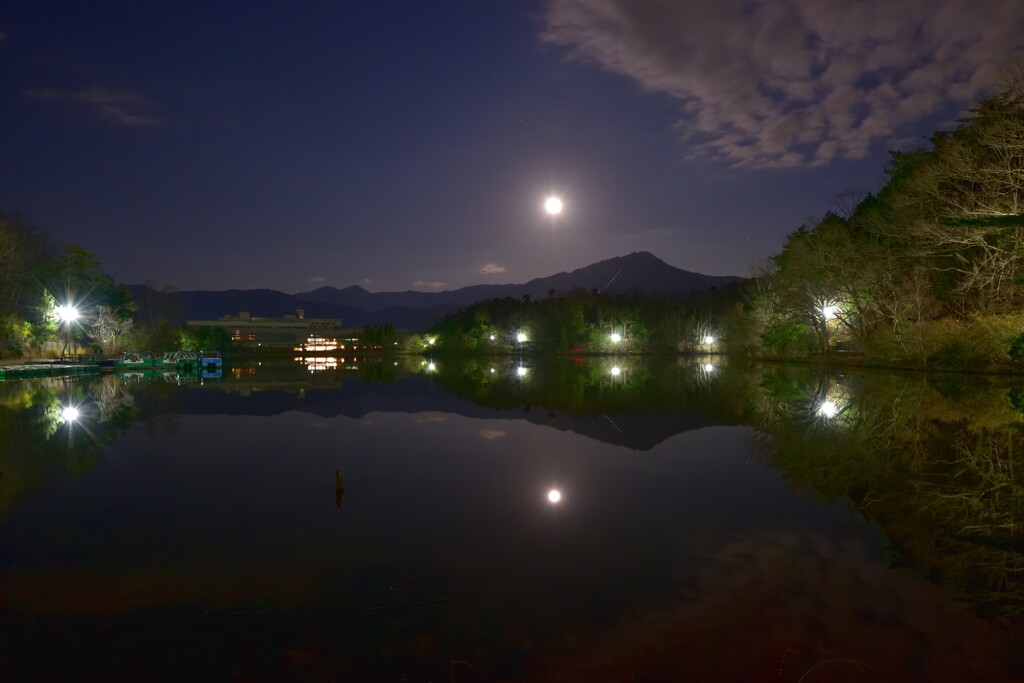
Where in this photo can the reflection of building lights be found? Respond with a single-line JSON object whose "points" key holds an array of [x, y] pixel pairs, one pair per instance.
{"points": [[709, 339], [69, 414], [319, 363], [827, 409], [616, 337], [616, 371], [554, 496], [521, 371], [708, 367], [521, 337]]}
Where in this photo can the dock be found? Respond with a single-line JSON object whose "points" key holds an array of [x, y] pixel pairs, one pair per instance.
{"points": [[55, 369]]}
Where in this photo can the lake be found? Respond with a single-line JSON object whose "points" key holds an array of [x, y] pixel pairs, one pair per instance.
{"points": [[510, 520]]}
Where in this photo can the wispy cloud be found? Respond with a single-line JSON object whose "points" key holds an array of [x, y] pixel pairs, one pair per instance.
{"points": [[795, 82], [317, 280], [491, 269], [430, 418], [366, 281], [117, 107], [493, 434], [428, 285]]}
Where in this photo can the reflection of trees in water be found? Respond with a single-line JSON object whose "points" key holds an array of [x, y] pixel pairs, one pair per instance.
{"points": [[972, 492], [40, 442], [938, 465], [111, 397], [600, 385]]}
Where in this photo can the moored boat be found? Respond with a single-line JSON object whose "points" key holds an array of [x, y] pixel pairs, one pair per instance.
{"points": [[134, 359], [168, 360], [187, 359], [210, 361]]}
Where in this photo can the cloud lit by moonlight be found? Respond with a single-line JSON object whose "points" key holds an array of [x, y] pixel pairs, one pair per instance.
{"points": [[792, 83]]}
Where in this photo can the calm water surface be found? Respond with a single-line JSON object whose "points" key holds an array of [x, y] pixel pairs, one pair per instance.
{"points": [[396, 523]]}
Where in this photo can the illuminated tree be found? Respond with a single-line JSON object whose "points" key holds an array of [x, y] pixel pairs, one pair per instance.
{"points": [[108, 328]]}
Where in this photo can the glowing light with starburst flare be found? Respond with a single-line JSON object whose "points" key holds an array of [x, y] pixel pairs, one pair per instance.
{"points": [[553, 206]]}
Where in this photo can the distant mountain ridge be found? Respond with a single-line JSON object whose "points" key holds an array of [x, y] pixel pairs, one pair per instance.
{"points": [[639, 272]]}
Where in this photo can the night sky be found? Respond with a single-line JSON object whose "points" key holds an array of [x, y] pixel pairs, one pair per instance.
{"points": [[410, 145]]}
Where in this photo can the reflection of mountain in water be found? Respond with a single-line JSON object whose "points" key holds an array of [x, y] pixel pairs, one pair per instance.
{"points": [[415, 394], [935, 462]]}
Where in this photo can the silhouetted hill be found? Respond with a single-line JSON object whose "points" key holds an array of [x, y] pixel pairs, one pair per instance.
{"points": [[638, 272], [355, 399]]}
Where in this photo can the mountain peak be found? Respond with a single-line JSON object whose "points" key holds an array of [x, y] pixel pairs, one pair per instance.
{"points": [[638, 272]]}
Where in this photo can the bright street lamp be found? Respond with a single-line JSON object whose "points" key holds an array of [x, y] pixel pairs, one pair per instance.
{"points": [[616, 337], [67, 315]]}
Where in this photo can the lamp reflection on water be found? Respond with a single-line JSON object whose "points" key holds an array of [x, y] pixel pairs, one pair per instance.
{"points": [[828, 409], [319, 363]]}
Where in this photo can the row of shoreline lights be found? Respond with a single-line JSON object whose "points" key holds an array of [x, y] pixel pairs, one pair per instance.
{"points": [[615, 337]]}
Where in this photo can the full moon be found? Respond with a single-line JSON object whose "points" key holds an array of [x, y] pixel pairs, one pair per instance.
{"points": [[553, 205], [554, 495]]}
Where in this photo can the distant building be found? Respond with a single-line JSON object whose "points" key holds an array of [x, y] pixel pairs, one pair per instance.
{"points": [[286, 332]]}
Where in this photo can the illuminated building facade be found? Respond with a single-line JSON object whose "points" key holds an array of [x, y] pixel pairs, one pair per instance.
{"points": [[286, 332]]}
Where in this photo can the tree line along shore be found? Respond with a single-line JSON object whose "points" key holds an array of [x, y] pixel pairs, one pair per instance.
{"points": [[927, 272]]}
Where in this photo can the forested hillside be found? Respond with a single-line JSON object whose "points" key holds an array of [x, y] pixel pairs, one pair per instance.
{"points": [[928, 271]]}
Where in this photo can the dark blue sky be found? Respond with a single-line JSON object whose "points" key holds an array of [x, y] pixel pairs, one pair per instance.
{"points": [[410, 144]]}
